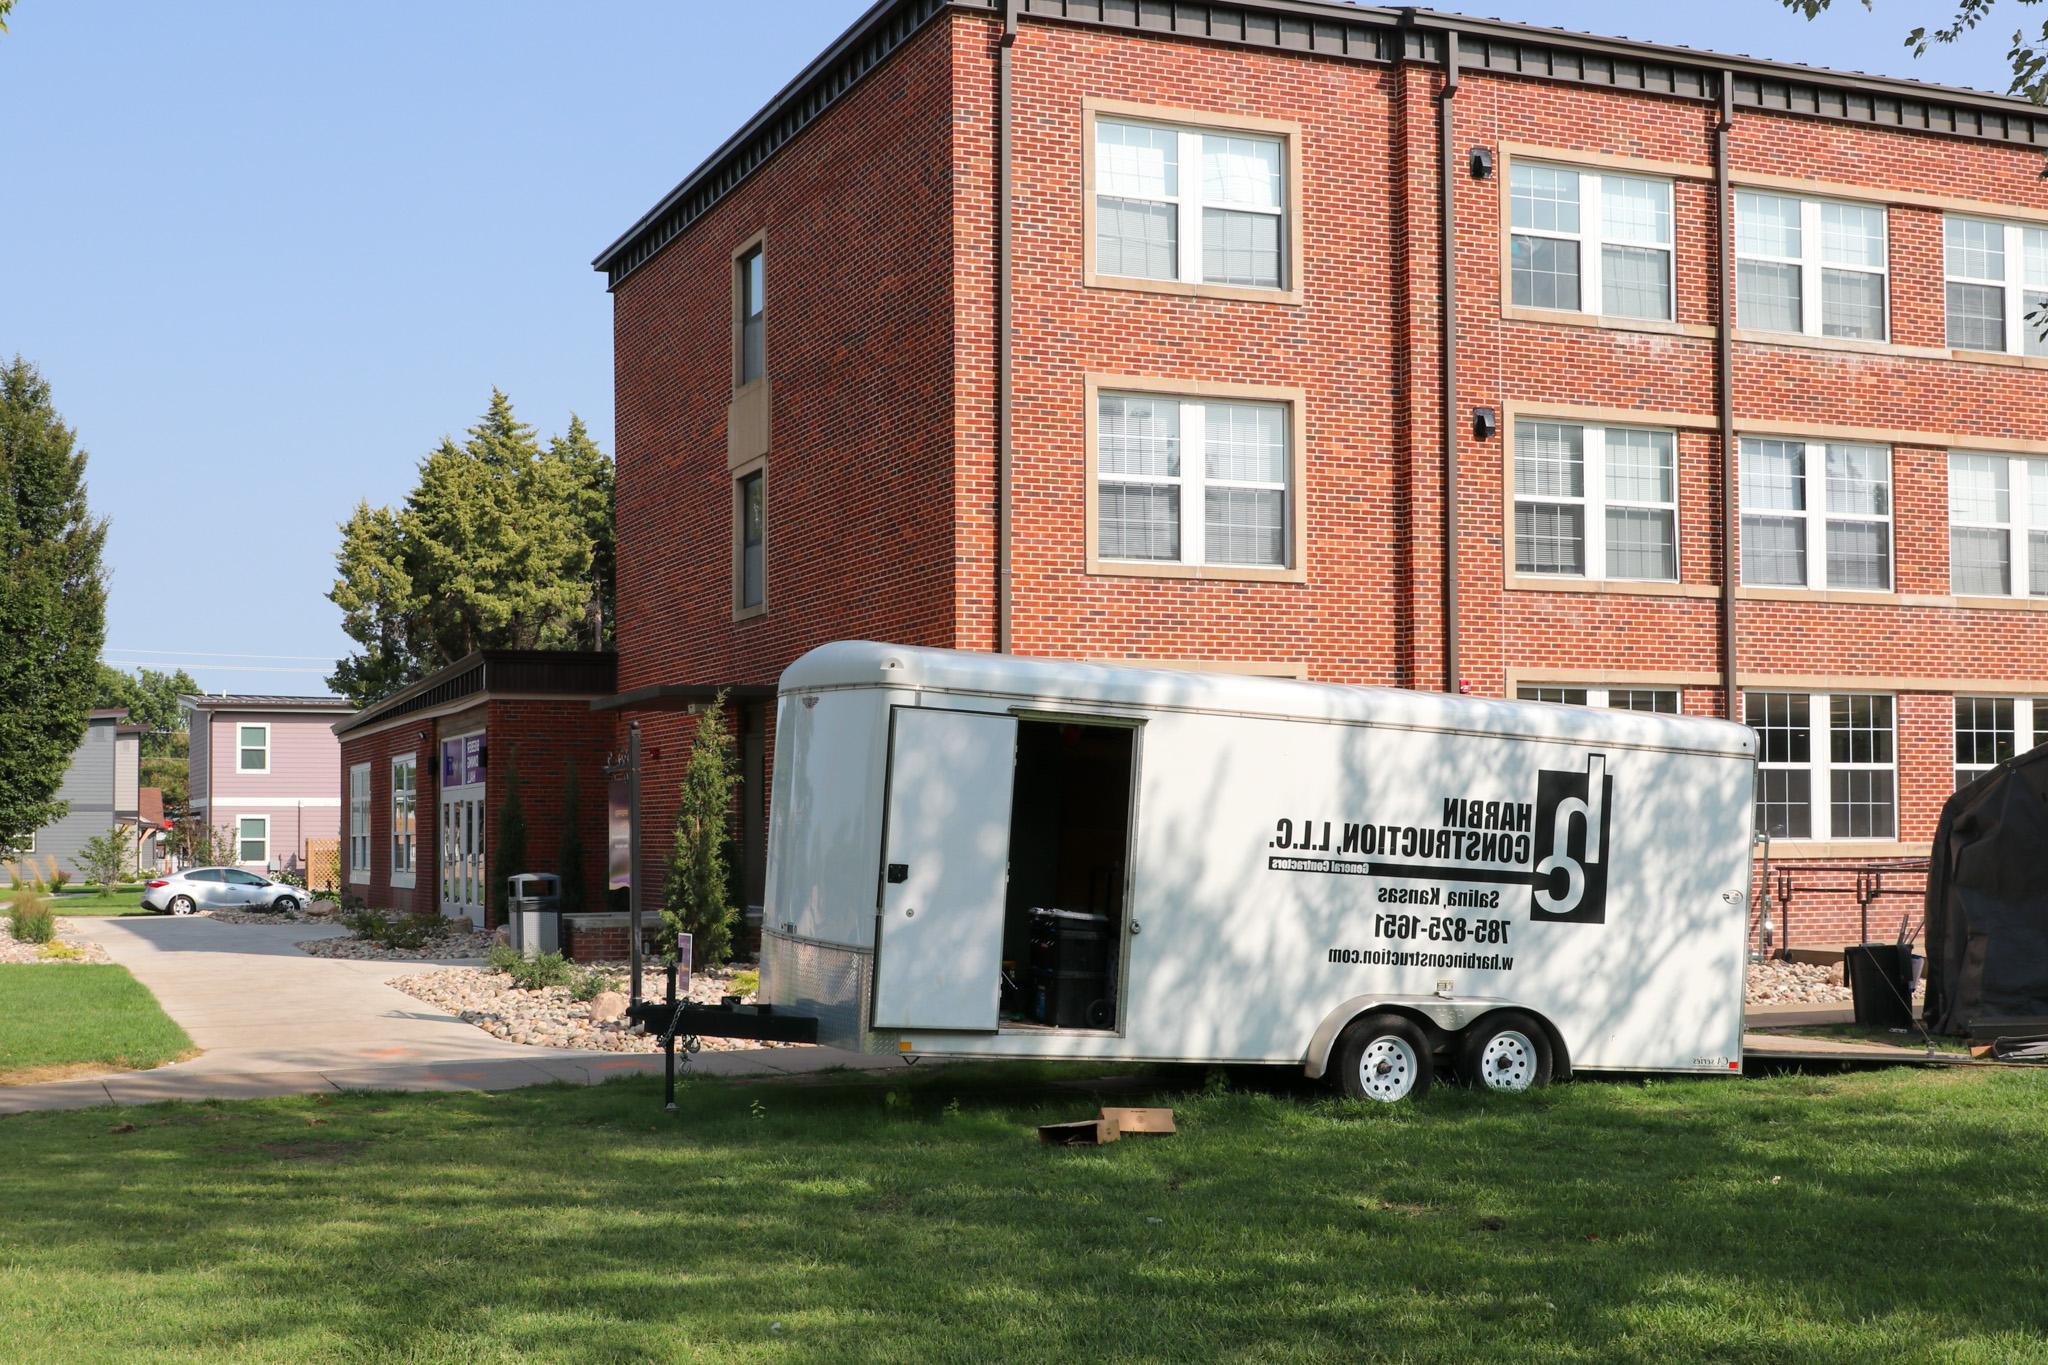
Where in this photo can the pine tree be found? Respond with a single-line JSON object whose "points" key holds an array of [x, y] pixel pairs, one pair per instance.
{"points": [[53, 602], [501, 545], [695, 897], [569, 851]]}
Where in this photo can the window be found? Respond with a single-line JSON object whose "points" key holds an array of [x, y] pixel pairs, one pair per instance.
{"points": [[1661, 701], [1997, 526], [359, 821], [750, 304], [1989, 730], [749, 585], [1590, 243], [253, 750], [1840, 785], [1997, 275], [1159, 189], [1816, 515], [1226, 505], [252, 832], [1625, 527], [404, 813], [1811, 266]]}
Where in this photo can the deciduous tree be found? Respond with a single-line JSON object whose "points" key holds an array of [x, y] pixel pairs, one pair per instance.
{"points": [[53, 602]]}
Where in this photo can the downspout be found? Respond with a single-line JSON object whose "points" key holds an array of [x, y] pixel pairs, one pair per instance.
{"points": [[1005, 329], [1725, 380], [1448, 286]]}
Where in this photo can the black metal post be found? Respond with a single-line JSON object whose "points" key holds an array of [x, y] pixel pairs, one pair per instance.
{"points": [[1785, 913], [633, 856], [668, 1090]]}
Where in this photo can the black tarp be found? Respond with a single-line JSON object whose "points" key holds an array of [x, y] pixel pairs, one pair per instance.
{"points": [[1987, 901]]}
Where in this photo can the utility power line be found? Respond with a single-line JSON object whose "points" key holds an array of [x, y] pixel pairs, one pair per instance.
{"points": [[216, 668], [217, 654]]}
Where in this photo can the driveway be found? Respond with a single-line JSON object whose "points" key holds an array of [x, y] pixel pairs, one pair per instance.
{"points": [[276, 1021]]}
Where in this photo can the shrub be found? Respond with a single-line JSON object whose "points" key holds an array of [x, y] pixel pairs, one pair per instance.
{"points": [[59, 879], [62, 952], [290, 876], [587, 983], [745, 983], [395, 931], [29, 918], [103, 858], [532, 974]]}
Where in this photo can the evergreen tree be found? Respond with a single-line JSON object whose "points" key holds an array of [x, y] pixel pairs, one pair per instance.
{"points": [[501, 545], [569, 851], [508, 851], [53, 602], [695, 897]]}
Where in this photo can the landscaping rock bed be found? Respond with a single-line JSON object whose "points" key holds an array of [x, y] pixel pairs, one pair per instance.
{"points": [[319, 912], [1801, 983], [14, 951], [462, 943], [551, 1017]]}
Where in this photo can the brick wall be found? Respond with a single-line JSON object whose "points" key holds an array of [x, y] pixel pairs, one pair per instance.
{"points": [[882, 503], [377, 750]]}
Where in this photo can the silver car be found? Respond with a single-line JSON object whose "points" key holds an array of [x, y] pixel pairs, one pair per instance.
{"points": [[218, 888]]}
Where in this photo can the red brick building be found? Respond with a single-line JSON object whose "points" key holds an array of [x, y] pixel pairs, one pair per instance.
{"points": [[425, 771], [1117, 329]]}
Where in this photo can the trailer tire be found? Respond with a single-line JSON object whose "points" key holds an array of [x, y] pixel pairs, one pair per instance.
{"points": [[1506, 1052], [1384, 1057]]}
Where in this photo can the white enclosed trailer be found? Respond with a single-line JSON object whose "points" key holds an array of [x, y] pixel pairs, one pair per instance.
{"points": [[1369, 883]]}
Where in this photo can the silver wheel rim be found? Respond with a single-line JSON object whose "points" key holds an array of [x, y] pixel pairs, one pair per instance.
{"points": [[286, 905], [1508, 1061], [181, 906], [1387, 1068]]}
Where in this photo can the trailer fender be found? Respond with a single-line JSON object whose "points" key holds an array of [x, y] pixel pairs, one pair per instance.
{"points": [[1442, 1017]]}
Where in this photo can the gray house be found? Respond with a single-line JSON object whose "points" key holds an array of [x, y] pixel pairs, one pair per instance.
{"points": [[102, 784]]}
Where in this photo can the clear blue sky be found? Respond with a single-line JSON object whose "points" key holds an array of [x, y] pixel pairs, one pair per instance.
{"points": [[268, 254]]}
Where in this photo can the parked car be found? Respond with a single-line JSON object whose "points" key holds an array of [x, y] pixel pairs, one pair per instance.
{"points": [[218, 888]]}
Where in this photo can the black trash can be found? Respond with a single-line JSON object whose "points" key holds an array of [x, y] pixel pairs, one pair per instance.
{"points": [[1879, 985]]}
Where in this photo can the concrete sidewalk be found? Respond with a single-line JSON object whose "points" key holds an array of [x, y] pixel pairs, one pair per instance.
{"points": [[273, 1020]]}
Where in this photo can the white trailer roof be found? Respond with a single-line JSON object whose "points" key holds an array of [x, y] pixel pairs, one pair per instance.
{"points": [[865, 663]]}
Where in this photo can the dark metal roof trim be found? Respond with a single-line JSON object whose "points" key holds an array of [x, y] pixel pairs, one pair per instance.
{"points": [[872, 39], [671, 695], [1351, 33], [495, 673], [261, 701]]}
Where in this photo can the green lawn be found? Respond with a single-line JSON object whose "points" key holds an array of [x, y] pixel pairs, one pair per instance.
{"points": [[1893, 1216], [59, 1016], [99, 903]]}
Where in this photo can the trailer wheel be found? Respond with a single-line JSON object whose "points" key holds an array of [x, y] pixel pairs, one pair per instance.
{"points": [[1508, 1051], [1384, 1057]]}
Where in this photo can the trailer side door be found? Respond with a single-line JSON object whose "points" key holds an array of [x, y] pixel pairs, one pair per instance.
{"points": [[946, 863]]}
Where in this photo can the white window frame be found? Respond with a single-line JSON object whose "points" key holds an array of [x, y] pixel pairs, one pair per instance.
{"points": [[359, 822], [1816, 514], [1601, 697], [1812, 264], [240, 747], [405, 832], [1595, 504], [242, 841], [1188, 203], [1193, 481], [1821, 767], [2022, 336], [2022, 474], [1591, 238], [2029, 730]]}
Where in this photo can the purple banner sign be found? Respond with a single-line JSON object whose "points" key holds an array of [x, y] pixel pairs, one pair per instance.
{"points": [[462, 761]]}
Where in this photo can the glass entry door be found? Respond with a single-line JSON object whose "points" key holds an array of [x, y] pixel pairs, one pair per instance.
{"points": [[464, 868]]}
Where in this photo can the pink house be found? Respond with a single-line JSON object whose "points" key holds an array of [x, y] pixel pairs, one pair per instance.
{"points": [[268, 769]]}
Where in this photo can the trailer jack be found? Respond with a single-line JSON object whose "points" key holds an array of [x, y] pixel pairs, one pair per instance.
{"points": [[684, 1020]]}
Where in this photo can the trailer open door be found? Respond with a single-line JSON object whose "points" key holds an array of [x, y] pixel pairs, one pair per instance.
{"points": [[946, 861]]}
